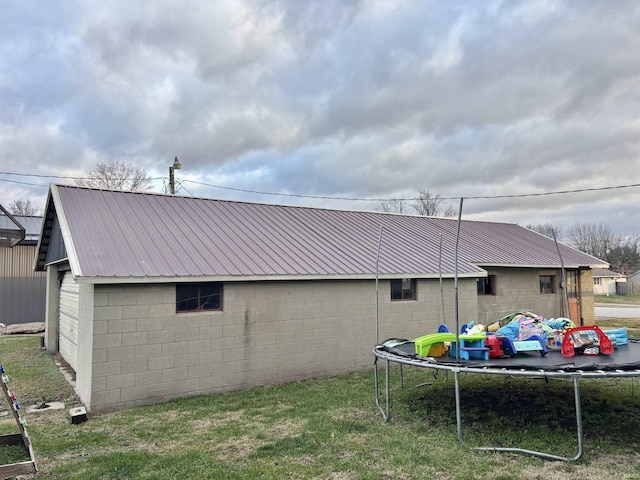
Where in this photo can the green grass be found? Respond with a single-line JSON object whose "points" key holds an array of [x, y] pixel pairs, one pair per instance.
{"points": [[618, 299], [37, 373], [13, 454], [331, 429]]}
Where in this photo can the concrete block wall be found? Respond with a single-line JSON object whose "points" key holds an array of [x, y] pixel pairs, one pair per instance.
{"points": [[268, 332], [85, 341], [519, 289]]}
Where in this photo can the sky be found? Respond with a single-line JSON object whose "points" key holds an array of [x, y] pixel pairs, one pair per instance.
{"points": [[334, 104]]}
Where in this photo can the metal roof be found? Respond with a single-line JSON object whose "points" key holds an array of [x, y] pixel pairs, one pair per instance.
{"points": [[129, 236], [603, 272], [30, 223]]}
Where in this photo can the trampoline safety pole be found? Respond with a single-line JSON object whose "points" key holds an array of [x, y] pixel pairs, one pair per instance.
{"points": [[455, 276], [377, 297]]}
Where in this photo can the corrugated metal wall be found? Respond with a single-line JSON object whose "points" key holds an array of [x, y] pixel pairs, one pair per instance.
{"points": [[22, 291]]}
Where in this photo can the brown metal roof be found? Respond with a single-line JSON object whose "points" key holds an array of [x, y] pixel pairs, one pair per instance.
{"points": [[130, 235]]}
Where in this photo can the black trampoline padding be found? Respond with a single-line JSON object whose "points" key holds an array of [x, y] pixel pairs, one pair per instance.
{"points": [[624, 358]]}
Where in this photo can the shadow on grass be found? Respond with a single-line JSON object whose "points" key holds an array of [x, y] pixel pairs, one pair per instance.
{"points": [[530, 413]]}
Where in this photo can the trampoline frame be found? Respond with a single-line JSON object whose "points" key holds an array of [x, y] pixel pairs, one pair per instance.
{"points": [[574, 375]]}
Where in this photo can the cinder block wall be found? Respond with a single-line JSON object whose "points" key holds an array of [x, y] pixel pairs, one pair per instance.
{"points": [[268, 332], [519, 289]]}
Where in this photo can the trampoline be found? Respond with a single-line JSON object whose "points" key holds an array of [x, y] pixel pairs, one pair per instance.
{"points": [[623, 362]]}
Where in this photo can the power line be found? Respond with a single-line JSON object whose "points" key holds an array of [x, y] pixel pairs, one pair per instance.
{"points": [[328, 197], [24, 183]]}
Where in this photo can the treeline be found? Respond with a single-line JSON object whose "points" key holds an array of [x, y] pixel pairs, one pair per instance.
{"points": [[599, 240]]}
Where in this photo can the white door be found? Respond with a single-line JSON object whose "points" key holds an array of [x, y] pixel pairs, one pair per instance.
{"points": [[68, 320]]}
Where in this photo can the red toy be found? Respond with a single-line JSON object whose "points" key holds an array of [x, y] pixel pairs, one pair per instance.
{"points": [[590, 340]]}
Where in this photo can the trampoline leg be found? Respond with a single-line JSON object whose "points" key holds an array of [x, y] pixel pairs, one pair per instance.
{"points": [[548, 456], [576, 393], [458, 409], [401, 378], [386, 411]]}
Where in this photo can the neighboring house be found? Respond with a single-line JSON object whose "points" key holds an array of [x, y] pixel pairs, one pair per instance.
{"points": [[22, 290], [153, 297], [604, 281]]}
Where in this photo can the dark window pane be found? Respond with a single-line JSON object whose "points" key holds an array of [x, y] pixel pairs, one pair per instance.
{"points": [[192, 297], [546, 283], [486, 286], [396, 289], [186, 297], [403, 289]]}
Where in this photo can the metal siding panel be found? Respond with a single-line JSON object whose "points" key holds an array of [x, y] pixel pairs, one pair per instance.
{"points": [[22, 290], [68, 320]]}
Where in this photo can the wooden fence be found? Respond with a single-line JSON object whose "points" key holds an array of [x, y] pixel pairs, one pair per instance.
{"points": [[627, 288]]}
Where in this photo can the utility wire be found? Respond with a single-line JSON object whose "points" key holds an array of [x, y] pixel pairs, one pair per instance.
{"points": [[327, 197]]}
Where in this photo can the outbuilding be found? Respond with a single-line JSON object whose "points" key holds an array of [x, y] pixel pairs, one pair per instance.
{"points": [[153, 297], [22, 290]]}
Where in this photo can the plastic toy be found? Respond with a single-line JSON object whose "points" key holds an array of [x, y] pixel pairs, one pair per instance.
{"points": [[588, 340]]}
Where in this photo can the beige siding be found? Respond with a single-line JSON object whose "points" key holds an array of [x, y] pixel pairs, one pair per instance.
{"points": [[22, 291], [269, 332], [68, 320]]}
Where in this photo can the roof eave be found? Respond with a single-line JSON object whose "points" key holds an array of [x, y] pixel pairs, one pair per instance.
{"points": [[550, 265], [258, 278]]}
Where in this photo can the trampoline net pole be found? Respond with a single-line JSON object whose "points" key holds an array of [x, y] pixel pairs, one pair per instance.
{"points": [[377, 296]]}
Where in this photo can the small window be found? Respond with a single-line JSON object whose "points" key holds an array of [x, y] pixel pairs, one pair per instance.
{"points": [[487, 285], [197, 297], [597, 281], [546, 284], [403, 289]]}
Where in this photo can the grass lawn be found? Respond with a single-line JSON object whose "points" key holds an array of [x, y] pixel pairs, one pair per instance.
{"points": [[331, 429], [618, 299]]}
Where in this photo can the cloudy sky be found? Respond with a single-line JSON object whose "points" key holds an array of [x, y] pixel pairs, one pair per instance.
{"points": [[329, 103]]}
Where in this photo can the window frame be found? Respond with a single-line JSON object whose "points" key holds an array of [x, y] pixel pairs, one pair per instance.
{"points": [[406, 285], [551, 283], [206, 292], [486, 283]]}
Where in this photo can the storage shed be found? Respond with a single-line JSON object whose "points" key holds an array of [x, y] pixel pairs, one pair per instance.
{"points": [[153, 297], [22, 290]]}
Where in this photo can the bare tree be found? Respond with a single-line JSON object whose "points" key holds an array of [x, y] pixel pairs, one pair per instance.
{"points": [[547, 229], [117, 176], [23, 207], [431, 205], [395, 205], [594, 239], [625, 257]]}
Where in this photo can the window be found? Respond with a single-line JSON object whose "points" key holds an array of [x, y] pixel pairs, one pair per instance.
{"points": [[487, 285], [546, 284], [403, 289], [597, 281], [197, 297]]}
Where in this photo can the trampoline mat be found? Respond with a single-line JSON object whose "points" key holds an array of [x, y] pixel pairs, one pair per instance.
{"points": [[625, 357]]}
